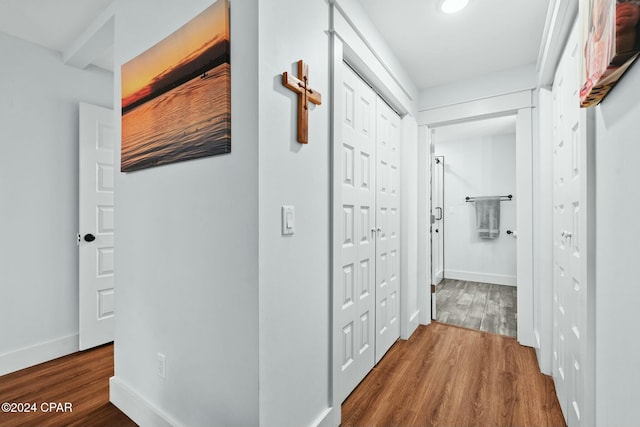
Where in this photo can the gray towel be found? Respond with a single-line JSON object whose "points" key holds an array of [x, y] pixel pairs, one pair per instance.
{"points": [[488, 217]]}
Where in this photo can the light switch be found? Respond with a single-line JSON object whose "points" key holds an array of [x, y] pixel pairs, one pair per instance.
{"points": [[288, 220]]}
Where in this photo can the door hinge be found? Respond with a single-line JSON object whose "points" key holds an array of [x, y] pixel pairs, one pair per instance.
{"points": [[433, 288]]}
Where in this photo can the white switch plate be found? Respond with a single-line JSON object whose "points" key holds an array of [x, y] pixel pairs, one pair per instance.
{"points": [[288, 220]]}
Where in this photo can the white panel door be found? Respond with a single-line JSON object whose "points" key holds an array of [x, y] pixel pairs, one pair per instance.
{"points": [[388, 228], [357, 222], [570, 196], [96, 228]]}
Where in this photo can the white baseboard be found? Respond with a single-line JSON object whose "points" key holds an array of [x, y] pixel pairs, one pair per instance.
{"points": [[413, 323], [136, 407], [325, 419], [36, 354], [439, 277], [496, 279]]}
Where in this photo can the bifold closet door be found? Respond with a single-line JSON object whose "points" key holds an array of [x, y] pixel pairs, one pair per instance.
{"points": [[572, 349], [357, 222], [387, 228]]}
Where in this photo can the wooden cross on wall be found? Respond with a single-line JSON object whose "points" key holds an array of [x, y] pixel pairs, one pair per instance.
{"points": [[301, 86]]}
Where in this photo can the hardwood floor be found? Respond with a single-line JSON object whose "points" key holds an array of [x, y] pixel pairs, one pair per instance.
{"points": [[450, 376], [443, 376], [80, 379], [482, 306]]}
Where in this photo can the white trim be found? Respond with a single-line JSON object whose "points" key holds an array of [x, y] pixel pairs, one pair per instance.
{"points": [[38, 353], [519, 103], [336, 195], [415, 319], [325, 419], [408, 226], [424, 211], [524, 218], [439, 276], [473, 110], [358, 55], [96, 38], [543, 267], [473, 276], [364, 31], [140, 410], [560, 17]]}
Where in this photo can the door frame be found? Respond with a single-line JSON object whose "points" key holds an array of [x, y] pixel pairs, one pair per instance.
{"points": [[521, 105], [434, 286], [349, 45], [434, 159]]}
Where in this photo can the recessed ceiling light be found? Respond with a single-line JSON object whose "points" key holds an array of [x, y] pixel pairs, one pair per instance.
{"points": [[453, 6]]}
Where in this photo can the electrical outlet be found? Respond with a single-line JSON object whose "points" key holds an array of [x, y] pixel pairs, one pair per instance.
{"points": [[162, 366]]}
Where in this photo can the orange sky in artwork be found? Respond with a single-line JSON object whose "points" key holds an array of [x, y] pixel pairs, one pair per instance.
{"points": [[143, 69]]}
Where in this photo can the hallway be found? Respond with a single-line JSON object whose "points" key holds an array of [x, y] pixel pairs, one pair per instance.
{"points": [[450, 376]]}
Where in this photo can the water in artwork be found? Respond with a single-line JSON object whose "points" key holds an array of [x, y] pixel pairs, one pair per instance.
{"points": [[190, 121]]}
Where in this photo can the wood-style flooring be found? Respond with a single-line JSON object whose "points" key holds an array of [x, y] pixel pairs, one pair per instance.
{"points": [[450, 376], [81, 379], [443, 376], [482, 306]]}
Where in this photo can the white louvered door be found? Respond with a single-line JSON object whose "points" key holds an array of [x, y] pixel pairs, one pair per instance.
{"points": [[368, 169]]}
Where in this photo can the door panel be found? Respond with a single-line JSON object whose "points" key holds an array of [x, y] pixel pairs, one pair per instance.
{"points": [[358, 224], [96, 226], [388, 225], [570, 346]]}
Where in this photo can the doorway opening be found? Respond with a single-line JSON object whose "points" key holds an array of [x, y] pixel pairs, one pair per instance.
{"points": [[473, 225]]}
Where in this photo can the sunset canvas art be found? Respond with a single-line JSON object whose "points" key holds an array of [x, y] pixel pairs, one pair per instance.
{"points": [[176, 96]]}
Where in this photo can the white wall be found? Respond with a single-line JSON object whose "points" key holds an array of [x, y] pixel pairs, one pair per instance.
{"points": [[479, 166], [409, 303], [187, 250], [499, 83], [617, 236], [294, 270], [543, 217], [39, 200]]}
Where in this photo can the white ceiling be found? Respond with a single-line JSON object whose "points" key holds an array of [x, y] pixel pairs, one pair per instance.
{"points": [[54, 24], [436, 48], [487, 36]]}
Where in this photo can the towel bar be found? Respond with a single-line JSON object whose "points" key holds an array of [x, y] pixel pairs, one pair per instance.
{"points": [[506, 198]]}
